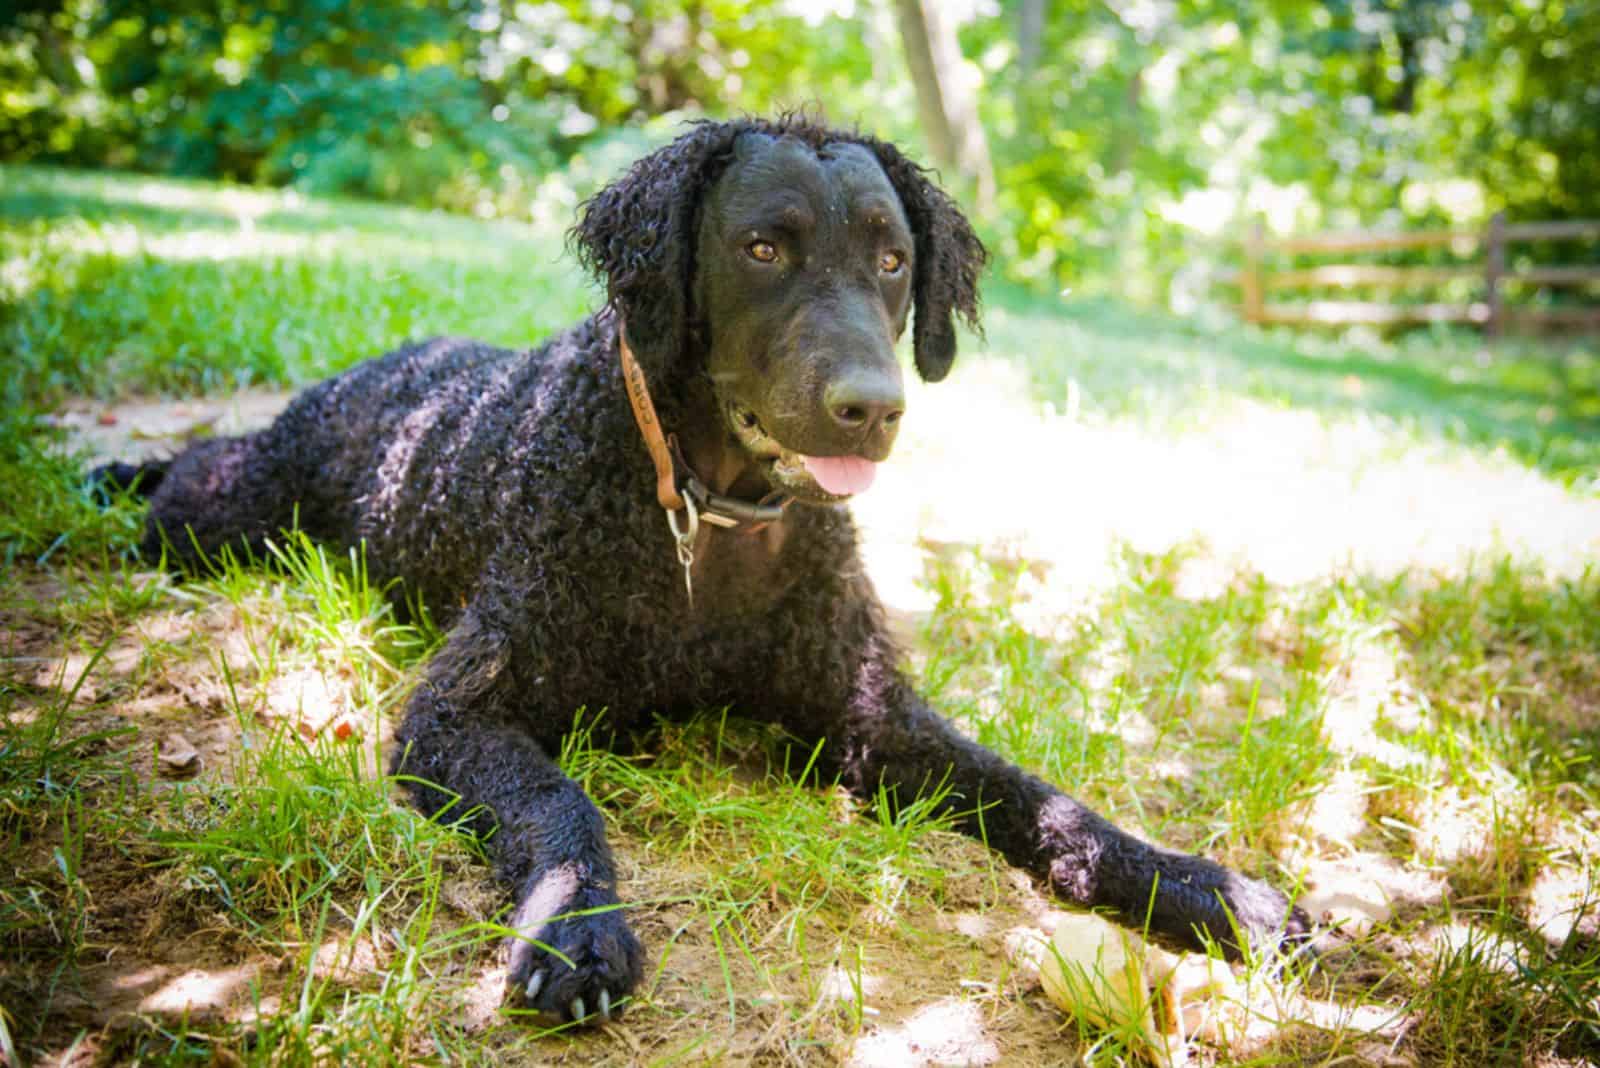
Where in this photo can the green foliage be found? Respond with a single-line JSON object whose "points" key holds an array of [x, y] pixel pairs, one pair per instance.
{"points": [[373, 99], [1126, 138], [455, 104], [1360, 112]]}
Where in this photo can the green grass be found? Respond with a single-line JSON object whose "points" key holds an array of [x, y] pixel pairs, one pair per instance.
{"points": [[114, 285], [1540, 402], [784, 921]]}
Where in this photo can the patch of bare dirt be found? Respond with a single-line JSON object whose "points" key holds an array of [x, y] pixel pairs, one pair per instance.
{"points": [[147, 427], [929, 986], [160, 711]]}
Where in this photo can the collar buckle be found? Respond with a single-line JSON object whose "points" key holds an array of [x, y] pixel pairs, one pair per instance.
{"points": [[684, 539]]}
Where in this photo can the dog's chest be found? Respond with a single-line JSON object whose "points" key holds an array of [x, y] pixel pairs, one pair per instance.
{"points": [[739, 575], [730, 576]]}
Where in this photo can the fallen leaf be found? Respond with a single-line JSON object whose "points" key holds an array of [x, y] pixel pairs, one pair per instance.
{"points": [[177, 757]]}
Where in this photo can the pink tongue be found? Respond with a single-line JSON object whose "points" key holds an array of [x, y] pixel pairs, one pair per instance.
{"points": [[842, 475]]}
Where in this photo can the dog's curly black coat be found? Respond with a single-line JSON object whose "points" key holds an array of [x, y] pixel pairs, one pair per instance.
{"points": [[512, 492]]}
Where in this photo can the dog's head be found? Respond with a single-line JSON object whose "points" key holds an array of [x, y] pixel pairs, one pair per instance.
{"points": [[784, 260]]}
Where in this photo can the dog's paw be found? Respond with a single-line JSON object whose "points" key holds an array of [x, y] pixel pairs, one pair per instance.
{"points": [[577, 961], [1263, 916]]}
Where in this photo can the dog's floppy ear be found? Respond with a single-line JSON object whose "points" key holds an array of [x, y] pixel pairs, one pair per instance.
{"points": [[638, 234], [949, 257]]}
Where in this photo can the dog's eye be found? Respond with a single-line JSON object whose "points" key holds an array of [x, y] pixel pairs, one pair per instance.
{"points": [[762, 251], [891, 262]]}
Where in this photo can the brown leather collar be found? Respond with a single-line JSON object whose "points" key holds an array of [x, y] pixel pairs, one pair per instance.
{"points": [[677, 486]]}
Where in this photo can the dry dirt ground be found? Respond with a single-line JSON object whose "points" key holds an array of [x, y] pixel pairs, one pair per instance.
{"points": [[1277, 491]]}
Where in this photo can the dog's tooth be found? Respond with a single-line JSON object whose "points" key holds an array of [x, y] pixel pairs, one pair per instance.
{"points": [[578, 1012], [605, 1004], [534, 984]]}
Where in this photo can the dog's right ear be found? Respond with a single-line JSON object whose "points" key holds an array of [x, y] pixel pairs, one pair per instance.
{"points": [[638, 234]]}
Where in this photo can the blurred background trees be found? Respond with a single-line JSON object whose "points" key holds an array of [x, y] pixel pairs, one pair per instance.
{"points": [[1106, 143]]}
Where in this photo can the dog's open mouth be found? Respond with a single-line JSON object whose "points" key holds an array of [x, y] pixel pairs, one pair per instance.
{"points": [[816, 478]]}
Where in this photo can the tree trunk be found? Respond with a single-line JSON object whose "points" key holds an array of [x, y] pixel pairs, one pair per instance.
{"points": [[1030, 33], [947, 107]]}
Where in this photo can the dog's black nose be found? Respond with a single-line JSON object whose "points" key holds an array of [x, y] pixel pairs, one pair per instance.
{"points": [[865, 402]]}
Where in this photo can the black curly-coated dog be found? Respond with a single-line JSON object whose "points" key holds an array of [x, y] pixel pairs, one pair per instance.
{"points": [[761, 271]]}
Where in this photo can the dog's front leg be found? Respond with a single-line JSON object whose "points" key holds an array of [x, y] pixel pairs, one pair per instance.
{"points": [[889, 743], [464, 752]]}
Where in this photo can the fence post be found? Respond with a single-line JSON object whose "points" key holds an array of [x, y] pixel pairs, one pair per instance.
{"points": [[1494, 269], [1250, 280]]}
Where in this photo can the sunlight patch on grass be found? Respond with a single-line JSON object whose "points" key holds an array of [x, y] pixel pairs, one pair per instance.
{"points": [[238, 201], [949, 1031], [1290, 495], [127, 242], [153, 428], [1564, 900], [199, 994]]}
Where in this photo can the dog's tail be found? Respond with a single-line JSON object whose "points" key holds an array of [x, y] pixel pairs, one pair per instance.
{"points": [[138, 480]]}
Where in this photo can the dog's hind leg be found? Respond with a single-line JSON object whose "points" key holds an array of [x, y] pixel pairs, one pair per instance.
{"points": [[465, 754], [220, 492], [141, 479]]}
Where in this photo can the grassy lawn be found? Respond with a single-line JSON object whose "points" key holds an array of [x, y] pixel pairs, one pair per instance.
{"points": [[1326, 609]]}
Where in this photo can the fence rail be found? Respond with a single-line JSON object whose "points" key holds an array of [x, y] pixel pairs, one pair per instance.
{"points": [[1492, 312]]}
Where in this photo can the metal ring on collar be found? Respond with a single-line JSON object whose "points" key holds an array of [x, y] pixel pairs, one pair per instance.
{"points": [[685, 537]]}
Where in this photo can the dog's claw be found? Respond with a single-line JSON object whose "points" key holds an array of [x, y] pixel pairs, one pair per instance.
{"points": [[605, 1004], [578, 1007], [535, 982]]}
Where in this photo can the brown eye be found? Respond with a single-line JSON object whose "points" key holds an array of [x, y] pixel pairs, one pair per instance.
{"points": [[762, 251], [891, 262]]}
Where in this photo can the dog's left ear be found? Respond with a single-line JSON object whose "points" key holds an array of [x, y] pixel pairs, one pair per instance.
{"points": [[949, 257], [638, 235]]}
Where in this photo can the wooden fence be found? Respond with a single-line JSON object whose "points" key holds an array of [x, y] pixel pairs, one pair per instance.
{"points": [[1492, 312]]}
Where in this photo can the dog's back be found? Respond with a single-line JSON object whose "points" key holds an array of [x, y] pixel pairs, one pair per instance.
{"points": [[420, 453]]}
